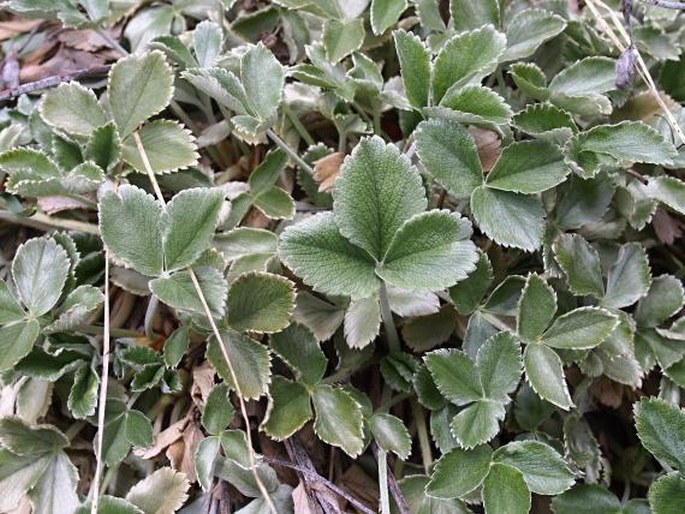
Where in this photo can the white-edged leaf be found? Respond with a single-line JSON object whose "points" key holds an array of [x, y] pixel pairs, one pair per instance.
{"points": [[207, 42], [168, 146], [546, 375], [289, 408], [415, 67], [16, 341], [536, 308], [629, 277], [390, 434], [580, 329], [459, 472], [468, 15], [499, 366], [478, 423], [473, 105], [669, 191], [263, 79], [339, 419], [362, 321], [178, 291], [455, 375], [528, 29], [385, 13], [580, 263], [341, 38], [260, 302], [162, 492], [72, 108], [661, 429]]}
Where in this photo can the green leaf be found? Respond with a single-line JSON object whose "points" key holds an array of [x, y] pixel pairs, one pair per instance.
{"points": [[528, 167], [536, 308], [188, 224], [581, 265], [22, 439], [477, 423], [629, 277], [207, 42], [250, 361], [661, 429], [467, 15], [27, 163], [341, 38], [545, 121], [499, 366], [468, 293], [140, 86], [55, 492], [10, 310], [430, 251], [510, 219], [104, 146], [263, 79], [73, 109], [275, 203], [339, 419], [298, 347], [221, 84], [362, 322], [546, 375], [385, 13], [390, 434], [176, 346], [505, 490], [413, 490], [205, 461], [268, 171], [18, 475], [475, 105], [178, 291], [260, 302], [530, 79], [168, 146], [667, 190], [289, 408], [415, 67], [16, 341], [40, 269], [316, 251], [664, 299], [586, 499], [244, 241], [467, 58], [589, 76], [130, 228], [581, 329], [667, 494], [448, 152], [369, 178], [528, 29], [459, 472], [146, 493], [83, 396], [455, 375], [218, 410], [544, 470]]}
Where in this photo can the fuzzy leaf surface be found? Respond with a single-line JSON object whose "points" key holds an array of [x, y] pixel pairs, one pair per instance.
{"points": [[260, 302]]}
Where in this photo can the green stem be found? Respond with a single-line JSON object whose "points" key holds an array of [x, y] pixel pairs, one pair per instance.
{"points": [[383, 481], [298, 125], [42, 221], [388, 322], [424, 440], [377, 119], [114, 332], [290, 151], [149, 317]]}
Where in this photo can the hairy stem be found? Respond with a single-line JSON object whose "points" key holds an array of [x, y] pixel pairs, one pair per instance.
{"points": [[42, 221], [289, 150], [388, 322], [424, 439], [382, 458]]}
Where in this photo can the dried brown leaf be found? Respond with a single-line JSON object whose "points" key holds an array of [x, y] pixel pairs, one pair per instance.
{"points": [[489, 146], [327, 169]]}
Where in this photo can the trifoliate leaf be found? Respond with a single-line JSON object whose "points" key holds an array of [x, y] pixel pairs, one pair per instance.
{"points": [[370, 177], [385, 13], [168, 147], [130, 228], [73, 109], [415, 67], [528, 167], [40, 269], [499, 366], [316, 251], [16, 341], [467, 58], [455, 375], [429, 252], [664, 299], [390, 434], [218, 410], [505, 490], [667, 494], [146, 493], [528, 29], [546, 374], [207, 42], [362, 321], [544, 470], [468, 293], [585, 499], [140, 86], [667, 190], [476, 105], [249, 359], [545, 121], [263, 79], [341, 38], [448, 152], [478, 423], [188, 224], [459, 472], [300, 350], [536, 308], [467, 15], [289, 408], [661, 429], [339, 419], [178, 291], [510, 219], [580, 263], [260, 302], [580, 329], [628, 278]]}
